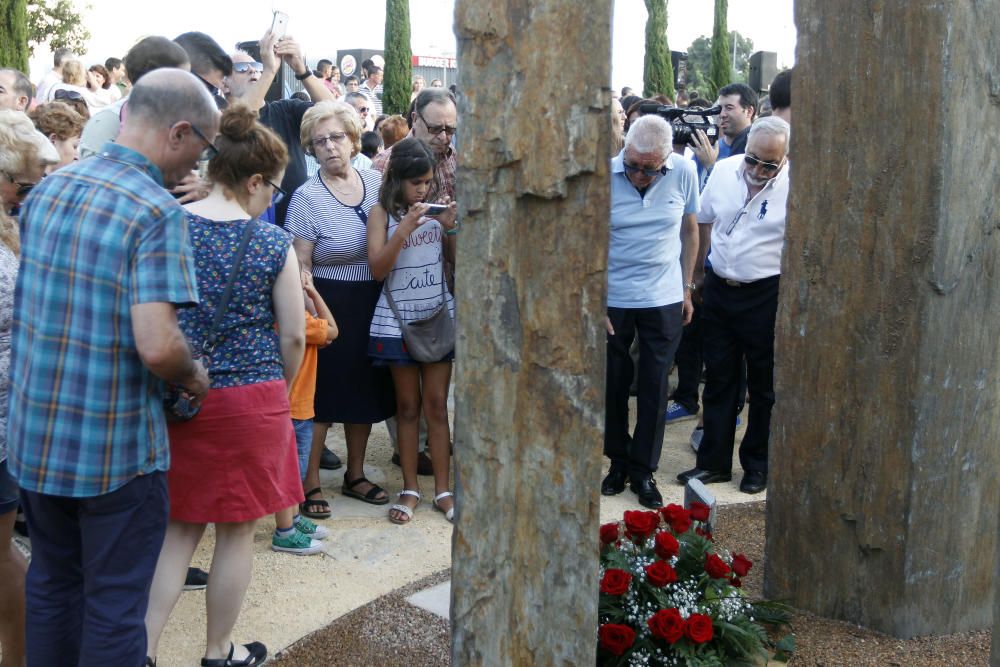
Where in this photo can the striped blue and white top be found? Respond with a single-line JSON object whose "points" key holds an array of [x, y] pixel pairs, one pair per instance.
{"points": [[337, 231]]}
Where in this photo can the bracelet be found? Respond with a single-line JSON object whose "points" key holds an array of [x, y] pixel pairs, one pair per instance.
{"points": [[302, 77], [454, 230]]}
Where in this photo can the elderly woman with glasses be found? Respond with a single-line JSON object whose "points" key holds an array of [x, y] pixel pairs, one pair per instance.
{"points": [[235, 461], [24, 155], [328, 217]]}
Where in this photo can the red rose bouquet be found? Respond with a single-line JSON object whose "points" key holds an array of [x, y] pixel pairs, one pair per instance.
{"points": [[670, 596]]}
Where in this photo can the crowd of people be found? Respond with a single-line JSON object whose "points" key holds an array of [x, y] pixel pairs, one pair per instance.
{"points": [[207, 280]]}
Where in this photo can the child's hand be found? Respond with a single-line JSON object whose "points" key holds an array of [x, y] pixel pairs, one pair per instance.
{"points": [[447, 218], [413, 218]]}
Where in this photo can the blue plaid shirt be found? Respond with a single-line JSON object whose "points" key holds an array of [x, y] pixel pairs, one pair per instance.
{"points": [[97, 238]]}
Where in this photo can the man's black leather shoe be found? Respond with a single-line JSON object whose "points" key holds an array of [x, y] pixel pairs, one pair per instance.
{"points": [[704, 476], [649, 495], [614, 483], [329, 461], [754, 481]]}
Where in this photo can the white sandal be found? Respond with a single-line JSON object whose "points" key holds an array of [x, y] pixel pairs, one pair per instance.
{"points": [[399, 507], [450, 514]]}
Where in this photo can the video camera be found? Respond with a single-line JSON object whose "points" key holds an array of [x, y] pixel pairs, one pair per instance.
{"points": [[685, 121]]}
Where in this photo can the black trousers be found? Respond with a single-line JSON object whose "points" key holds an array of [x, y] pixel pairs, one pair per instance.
{"points": [[737, 323], [689, 364], [659, 331]]}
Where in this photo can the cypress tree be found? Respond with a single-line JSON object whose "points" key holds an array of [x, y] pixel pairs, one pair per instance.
{"points": [[721, 71], [396, 84], [658, 71], [14, 34]]}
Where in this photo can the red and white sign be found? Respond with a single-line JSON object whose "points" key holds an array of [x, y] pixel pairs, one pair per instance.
{"points": [[434, 61]]}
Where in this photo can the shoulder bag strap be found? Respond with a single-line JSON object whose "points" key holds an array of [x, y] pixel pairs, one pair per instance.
{"points": [[220, 310]]}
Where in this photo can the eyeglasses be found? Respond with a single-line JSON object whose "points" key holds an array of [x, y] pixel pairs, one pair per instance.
{"points": [[435, 130], [22, 188], [648, 173], [279, 194], [363, 110], [210, 148], [63, 94], [335, 138], [753, 161], [243, 68]]}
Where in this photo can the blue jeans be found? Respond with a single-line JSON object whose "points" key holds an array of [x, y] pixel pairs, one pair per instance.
{"points": [[92, 562], [303, 442]]}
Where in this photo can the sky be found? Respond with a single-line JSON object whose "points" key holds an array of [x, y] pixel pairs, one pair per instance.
{"points": [[116, 24]]}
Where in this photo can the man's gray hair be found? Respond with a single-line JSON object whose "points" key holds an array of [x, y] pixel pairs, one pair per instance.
{"points": [[649, 134], [432, 96], [166, 96], [772, 126], [21, 84]]}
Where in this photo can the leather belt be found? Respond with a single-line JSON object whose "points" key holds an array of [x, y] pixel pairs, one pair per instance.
{"points": [[736, 283]]}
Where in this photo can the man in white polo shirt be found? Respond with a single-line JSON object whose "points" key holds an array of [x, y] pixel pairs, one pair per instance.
{"points": [[743, 212], [651, 256]]}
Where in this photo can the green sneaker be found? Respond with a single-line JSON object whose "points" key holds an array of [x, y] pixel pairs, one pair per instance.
{"points": [[310, 528], [296, 543]]}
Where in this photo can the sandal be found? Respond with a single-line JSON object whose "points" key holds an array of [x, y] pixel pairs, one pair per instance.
{"points": [[399, 507], [370, 497], [257, 655], [323, 513], [450, 513]]}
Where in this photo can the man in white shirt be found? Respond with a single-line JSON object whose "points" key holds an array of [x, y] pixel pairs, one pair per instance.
{"points": [[54, 75], [743, 213]]}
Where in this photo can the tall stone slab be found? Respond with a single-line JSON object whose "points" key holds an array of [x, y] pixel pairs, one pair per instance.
{"points": [[882, 507], [533, 187]]}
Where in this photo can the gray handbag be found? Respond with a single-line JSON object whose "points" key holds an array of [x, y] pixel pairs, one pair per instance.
{"points": [[429, 339]]}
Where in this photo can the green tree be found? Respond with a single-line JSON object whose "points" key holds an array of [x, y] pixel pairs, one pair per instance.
{"points": [[57, 23], [14, 34], [658, 71], [743, 48], [699, 61], [721, 71], [396, 85]]}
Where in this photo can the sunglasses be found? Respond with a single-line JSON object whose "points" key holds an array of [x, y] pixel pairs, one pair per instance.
{"points": [[67, 95], [753, 161], [648, 173], [243, 68], [23, 189], [435, 130]]}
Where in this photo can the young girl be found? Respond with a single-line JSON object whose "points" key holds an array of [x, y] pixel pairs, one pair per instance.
{"points": [[407, 249]]}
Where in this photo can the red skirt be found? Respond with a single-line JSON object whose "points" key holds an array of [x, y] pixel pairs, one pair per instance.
{"points": [[236, 460]]}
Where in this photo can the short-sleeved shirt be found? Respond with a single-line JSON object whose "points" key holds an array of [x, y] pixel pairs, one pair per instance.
{"points": [[285, 118], [98, 237], [644, 269], [302, 392], [246, 348], [338, 232]]}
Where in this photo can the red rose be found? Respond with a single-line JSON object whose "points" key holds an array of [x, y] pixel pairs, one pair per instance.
{"points": [[615, 582], [716, 567], [704, 533], [615, 638], [609, 533], [667, 545], [735, 581], [660, 574], [678, 518], [639, 525], [698, 628], [741, 565], [699, 511], [667, 624]]}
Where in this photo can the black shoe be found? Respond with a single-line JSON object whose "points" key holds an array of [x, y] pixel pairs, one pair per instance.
{"points": [[649, 495], [258, 654], [21, 524], [196, 579], [424, 465], [754, 481], [614, 483], [704, 476], [329, 461]]}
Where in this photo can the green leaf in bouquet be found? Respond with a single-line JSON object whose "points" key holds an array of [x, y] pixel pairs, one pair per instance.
{"points": [[785, 648]]}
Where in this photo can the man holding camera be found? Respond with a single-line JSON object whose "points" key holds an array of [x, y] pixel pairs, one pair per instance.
{"points": [[743, 211], [651, 257]]}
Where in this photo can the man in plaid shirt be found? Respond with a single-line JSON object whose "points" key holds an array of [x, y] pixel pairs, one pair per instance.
{"points": [[105, 261]]}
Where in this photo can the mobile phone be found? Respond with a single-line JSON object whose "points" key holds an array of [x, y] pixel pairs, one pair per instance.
{"points": [[279, 24], [435, 209]]}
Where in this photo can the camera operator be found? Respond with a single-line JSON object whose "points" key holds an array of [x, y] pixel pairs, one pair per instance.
{"points": [[739, 106]]}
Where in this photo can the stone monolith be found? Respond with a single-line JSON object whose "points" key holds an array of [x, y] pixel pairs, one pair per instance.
{"points": [[883, 498], [533, 188]]}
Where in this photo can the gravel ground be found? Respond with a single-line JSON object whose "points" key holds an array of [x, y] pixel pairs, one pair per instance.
{"points": [[391, 632]]}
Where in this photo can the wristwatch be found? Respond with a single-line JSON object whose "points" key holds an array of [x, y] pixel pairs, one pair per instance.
{"points": [[305, 75], [691, 286]]}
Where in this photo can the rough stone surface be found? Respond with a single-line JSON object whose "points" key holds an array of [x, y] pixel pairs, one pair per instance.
{"points": [[533, 197], [883, 488]]}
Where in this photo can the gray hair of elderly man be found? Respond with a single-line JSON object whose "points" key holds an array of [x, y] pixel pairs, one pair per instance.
{"points": [[650, 134], [773, 126], [167, 96]]}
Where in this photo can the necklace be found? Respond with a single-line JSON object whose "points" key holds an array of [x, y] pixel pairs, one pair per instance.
{"points": [[350, 183]]}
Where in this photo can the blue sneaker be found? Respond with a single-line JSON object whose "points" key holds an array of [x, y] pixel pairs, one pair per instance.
{"points": [[678, 413], [310, 529]]}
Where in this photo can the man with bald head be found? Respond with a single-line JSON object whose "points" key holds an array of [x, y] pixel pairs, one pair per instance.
{"points": [[105, 263]]}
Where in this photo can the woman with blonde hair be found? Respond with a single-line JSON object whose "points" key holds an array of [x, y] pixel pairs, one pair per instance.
{"points": [[328, 216], [75, 85], [24, 155]]}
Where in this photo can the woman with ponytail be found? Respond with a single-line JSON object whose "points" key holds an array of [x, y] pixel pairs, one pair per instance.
{"points": [[235, 461]]}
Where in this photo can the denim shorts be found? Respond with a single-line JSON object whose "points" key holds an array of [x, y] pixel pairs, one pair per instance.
{"points": [[8, 490], [303, 442]]}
